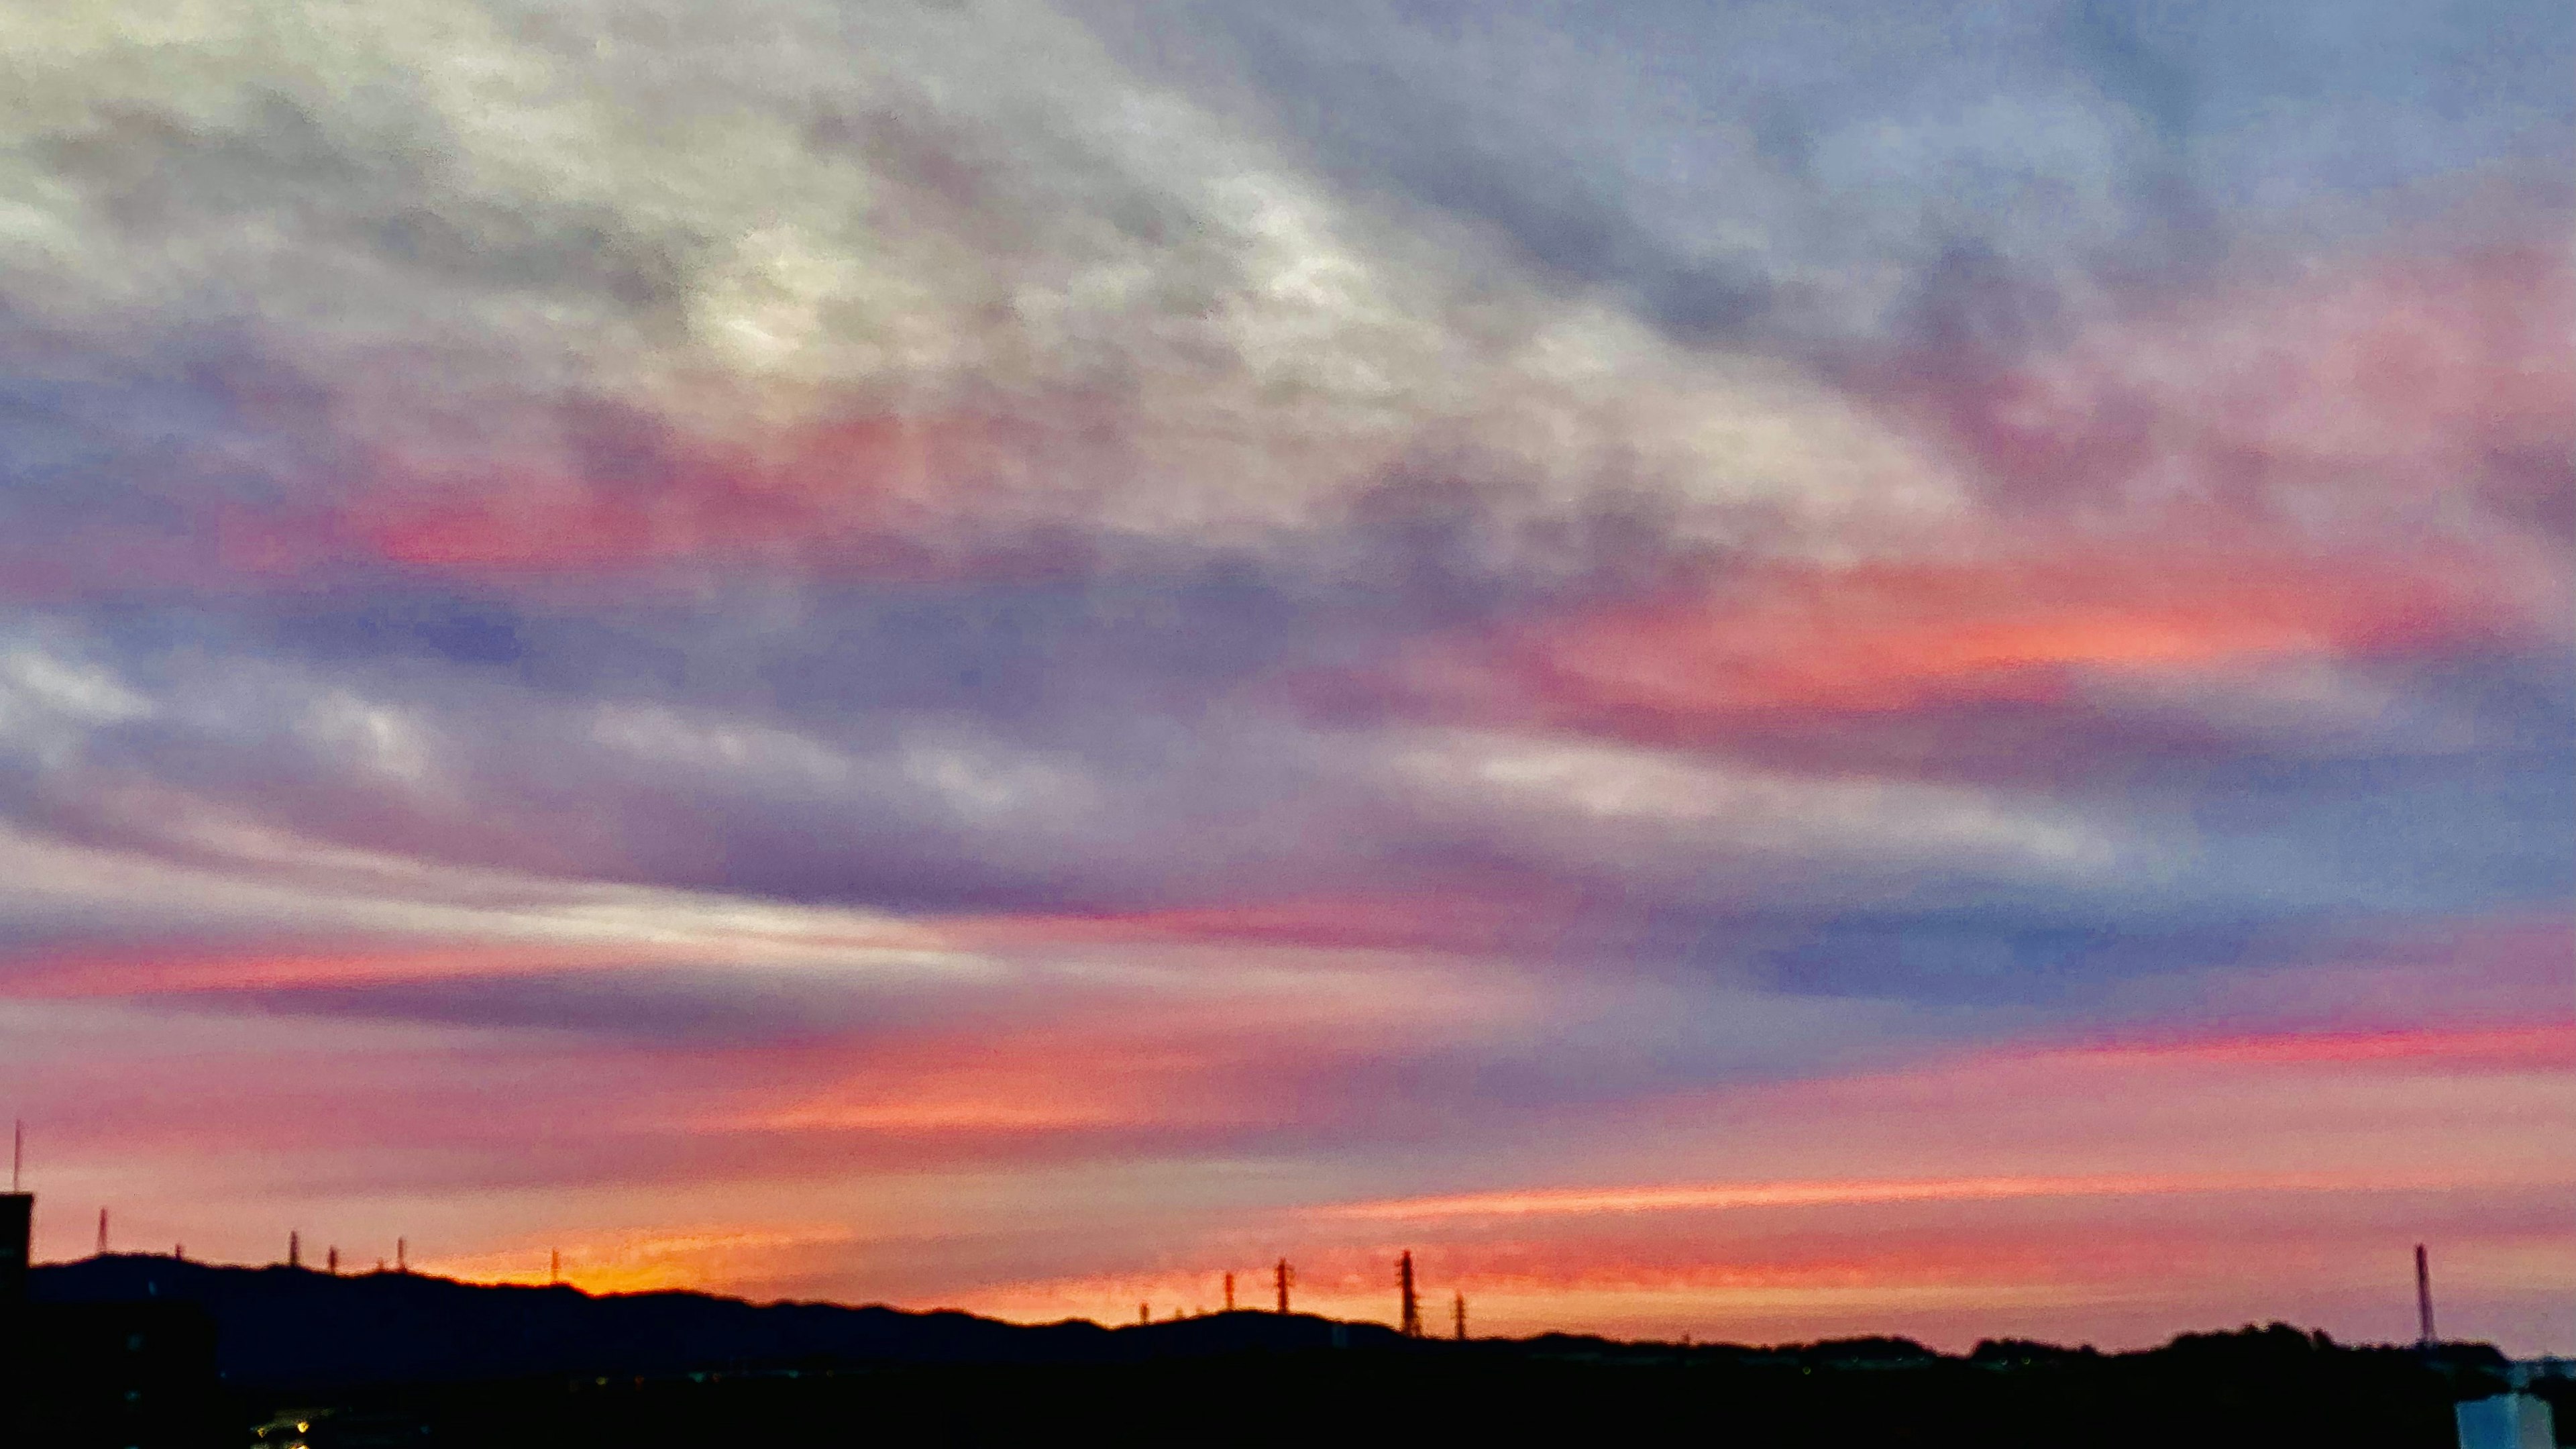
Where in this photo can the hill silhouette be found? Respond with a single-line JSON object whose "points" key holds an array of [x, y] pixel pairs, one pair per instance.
{"points": [[379, 1359], [281, 1327]]}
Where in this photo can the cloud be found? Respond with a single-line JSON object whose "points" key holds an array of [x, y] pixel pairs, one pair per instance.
{"points": [[1058, 633]]}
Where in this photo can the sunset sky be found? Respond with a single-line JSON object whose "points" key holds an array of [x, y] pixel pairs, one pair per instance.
{"points": [[1758, 669]]}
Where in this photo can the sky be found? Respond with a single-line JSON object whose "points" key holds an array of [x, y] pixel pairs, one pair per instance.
{"points": [[1764, 670]]}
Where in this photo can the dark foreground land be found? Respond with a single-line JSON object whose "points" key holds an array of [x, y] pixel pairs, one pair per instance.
{"points": [[2266, 1389], [392, 1359]]}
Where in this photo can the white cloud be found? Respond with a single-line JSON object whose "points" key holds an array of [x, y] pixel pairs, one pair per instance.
{"points": [[1580, 800], [783, 212]]}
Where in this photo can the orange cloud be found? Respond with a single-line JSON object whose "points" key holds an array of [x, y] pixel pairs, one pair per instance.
{"points": [[1706, 1197]]}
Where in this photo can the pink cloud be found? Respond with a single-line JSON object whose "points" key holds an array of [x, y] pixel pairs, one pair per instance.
{"points": [[1875, 639]]}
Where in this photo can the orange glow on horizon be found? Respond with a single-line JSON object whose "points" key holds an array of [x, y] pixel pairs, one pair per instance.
{"points": [[1701, 1197]]}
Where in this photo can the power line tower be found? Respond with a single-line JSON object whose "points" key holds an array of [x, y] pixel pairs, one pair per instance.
{"points": [[1229, 1292], [102, 1232], [295, 1250], [1412, 1326], [1283, 1276], [2423, 1299], [1458, 1314]]}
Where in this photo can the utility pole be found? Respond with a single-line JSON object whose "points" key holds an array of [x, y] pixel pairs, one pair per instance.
{"points": [[1283, 1275], [102, 1232], [1458, 1314], [1412, 1324], [1229, 1292], [2423, 1299]]}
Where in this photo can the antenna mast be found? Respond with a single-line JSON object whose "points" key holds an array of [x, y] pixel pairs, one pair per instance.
{"points": [[1412, 1326], [2423, 1299], [102, 1232], [1458, 1314], [1229, 1292], [1283, 1275]]}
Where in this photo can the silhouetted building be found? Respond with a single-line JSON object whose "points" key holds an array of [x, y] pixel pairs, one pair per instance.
{"points": [[17, 1235], [130, 1375], [2506, 1421]]}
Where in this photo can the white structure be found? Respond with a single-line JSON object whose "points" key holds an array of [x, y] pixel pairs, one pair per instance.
{"points": [[2506, 1421]]}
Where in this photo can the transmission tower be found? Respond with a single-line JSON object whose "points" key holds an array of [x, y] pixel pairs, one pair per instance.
{"points": [[1412, 1327], [1283, 1275], [2423, 1299], [102, 1232], [1229, 1292], [1458, 1314]]}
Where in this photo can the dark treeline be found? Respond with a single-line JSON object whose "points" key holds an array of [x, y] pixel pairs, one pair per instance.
{"points": [[2268, 1387]]}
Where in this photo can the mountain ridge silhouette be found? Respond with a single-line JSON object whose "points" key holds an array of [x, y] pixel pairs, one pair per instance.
{"points": [[280, 1326]]}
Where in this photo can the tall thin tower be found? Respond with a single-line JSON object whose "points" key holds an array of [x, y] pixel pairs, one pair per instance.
{"points": [[2423, 1299], [102, 1232], [1229, 1292], [1412, 1326], [1458, 1314], [1283, 1275]]}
